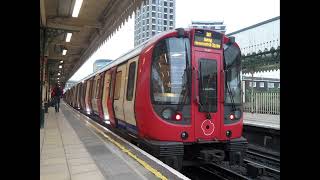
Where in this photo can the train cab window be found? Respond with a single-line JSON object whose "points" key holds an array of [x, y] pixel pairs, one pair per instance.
{"points": [[232, 63], [118, 86], [131, 77], [208, 85], [169, 74]]}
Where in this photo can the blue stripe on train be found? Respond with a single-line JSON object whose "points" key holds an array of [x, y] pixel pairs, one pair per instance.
{"points": [[127, 126]]}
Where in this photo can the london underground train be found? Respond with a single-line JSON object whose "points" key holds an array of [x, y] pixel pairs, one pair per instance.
{"points": [[178, 94]]}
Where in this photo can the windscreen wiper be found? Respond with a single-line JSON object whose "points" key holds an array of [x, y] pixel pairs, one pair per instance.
{"points": [[231, 97], [187, 84]]}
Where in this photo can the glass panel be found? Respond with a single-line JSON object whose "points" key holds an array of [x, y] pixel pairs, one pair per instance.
{"points": [[97, 88], [169, 82], [233, 70], [131, 77], [118, 86], [208, 85]]}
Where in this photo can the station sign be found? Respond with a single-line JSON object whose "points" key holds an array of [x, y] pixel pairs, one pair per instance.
{"points": [[208, 39]]}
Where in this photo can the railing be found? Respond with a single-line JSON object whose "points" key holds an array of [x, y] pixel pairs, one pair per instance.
{"points": [[264, 103]]}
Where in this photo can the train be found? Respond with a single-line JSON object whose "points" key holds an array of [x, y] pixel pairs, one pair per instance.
{"points": [[178, 94]]}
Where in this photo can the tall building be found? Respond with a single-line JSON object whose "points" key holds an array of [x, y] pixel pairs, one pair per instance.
{"points": [[214, 25], [153, 17], [100, 63]]}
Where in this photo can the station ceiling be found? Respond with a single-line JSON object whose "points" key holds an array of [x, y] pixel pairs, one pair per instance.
{"points": [[96, 22]]}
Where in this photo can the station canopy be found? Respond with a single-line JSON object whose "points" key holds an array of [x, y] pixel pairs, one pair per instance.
{"points": [[95, 23]]}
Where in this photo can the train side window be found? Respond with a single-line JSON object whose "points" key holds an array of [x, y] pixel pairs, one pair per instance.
{"points": [[100, 87], [94, 84], [97, 88], [131, 77], [111, 86], [118, 85]]}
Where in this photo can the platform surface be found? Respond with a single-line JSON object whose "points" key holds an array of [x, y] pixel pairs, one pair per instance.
{"points": [[71, 150], [262, 120]]}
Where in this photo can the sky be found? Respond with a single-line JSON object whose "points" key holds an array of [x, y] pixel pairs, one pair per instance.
{"points": [[236, 14]]}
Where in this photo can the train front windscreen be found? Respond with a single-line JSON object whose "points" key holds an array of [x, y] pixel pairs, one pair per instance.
{"points": [[171, 60], [232, 90], [170, 79]]}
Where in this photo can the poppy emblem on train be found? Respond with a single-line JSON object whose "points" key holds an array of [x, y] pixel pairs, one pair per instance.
{"points": [[207, 127]]}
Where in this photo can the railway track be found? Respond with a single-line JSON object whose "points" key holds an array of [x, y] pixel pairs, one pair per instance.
{"points": [[264, 157], [225, 173]]}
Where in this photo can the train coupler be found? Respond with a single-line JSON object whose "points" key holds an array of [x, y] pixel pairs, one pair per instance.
{"points": [[212, 155]]}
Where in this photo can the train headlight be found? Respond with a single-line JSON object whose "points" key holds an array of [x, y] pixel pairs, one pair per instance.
{"points": [[184, 135], [228, 133], [231, 116], [167, 113]]}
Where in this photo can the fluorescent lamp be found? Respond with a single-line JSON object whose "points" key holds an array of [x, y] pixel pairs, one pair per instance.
{"points": [[76, 8], [58, 74], [60, 66], [64, 52], [61, 61], [58, 78], [68, 38]]}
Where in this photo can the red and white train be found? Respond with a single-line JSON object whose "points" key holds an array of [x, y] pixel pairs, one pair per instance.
{"points": [[179, 94]]}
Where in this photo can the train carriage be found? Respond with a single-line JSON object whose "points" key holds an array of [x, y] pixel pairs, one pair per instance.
{"points": [[179, 94]]}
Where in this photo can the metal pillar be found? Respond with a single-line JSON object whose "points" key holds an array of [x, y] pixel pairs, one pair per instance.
{"points": [[44, 39]]}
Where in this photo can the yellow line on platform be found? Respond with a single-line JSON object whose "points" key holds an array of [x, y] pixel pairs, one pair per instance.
{"points": [[143, 163]]}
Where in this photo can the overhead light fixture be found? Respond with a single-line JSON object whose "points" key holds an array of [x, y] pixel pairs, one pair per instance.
{"points": [[58, 74], [64, 52], [60, 66], [68, 38], [58, 78], [76, 8], [61, 61]]}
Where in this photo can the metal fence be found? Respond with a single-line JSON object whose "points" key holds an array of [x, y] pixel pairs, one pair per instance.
{"points": [[262, 102]]}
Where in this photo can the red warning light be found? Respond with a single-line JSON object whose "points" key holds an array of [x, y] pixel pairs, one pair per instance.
{"points": [[178, 117]]}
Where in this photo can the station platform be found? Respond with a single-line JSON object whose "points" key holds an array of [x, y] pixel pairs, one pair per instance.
{"points": [[262, 120], [73, 147]]}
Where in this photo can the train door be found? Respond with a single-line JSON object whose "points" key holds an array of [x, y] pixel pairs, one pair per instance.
{"points": [[112, 74], [90, 95], [78, 96], [86, 100], [207, 107], [94, 97], [105, 94], [74, 99], [83, 96], [99, 96], [129, 95], [119, 94]]}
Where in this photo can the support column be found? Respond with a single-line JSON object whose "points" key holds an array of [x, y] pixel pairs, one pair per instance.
{"points": [[43, 64]]}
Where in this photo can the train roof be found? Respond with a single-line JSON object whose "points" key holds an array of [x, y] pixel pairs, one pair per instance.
{"points": [[130, 54], [134, 52]]}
